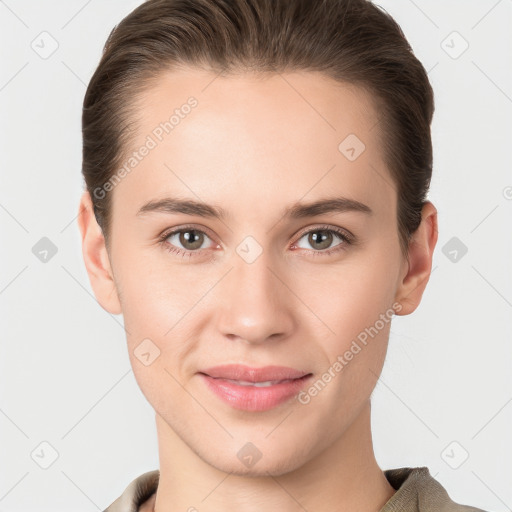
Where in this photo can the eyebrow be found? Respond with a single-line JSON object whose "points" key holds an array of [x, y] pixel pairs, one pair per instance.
{"points": [[295, 211]]}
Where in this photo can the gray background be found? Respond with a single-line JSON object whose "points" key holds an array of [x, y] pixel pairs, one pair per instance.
{"points": [[444, 398]]}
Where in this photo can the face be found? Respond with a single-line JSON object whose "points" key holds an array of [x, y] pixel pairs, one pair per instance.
{"points": [[268, 283]]}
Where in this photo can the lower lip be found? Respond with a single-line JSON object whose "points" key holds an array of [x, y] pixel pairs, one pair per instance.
{"points": [[252, 398]]}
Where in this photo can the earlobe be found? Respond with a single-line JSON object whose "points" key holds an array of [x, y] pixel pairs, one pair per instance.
{"points": [[421, 249], [96, 258]]}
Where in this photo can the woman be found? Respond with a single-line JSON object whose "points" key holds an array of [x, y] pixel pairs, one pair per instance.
{"points": [[256, 175]]}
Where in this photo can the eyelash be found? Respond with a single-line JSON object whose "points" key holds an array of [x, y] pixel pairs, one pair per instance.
{"points": [[345, 237]]}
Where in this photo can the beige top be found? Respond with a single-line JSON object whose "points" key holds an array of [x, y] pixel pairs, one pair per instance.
{"points": [[416, 491]]}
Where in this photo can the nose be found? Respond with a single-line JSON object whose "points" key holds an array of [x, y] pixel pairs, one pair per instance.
{"points": [[255, 305]]}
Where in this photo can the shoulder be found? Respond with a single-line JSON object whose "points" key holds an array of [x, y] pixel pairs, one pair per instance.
{"points": [[418, 491], [137, 491]]}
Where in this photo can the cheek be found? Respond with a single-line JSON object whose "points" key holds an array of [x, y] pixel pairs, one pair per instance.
{"points": [[165, 305], [344, 299], [354, 303], [156, 296], [155, 306]]}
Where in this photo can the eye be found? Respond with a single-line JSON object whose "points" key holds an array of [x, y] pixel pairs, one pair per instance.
{"points": [[190, 239], [322, 238]]}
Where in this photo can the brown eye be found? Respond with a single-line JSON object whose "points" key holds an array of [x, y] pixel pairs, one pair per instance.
{"points": [[320, 240], [189, 239]]}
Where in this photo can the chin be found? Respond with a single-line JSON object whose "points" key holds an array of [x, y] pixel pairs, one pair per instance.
{"points": [[275, 465], [258, 470]]}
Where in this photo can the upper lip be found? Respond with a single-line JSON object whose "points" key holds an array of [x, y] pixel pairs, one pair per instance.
{"points": [[249, 374]]}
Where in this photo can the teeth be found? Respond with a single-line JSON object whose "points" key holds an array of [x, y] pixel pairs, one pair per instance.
{"points": [[257, 384]]}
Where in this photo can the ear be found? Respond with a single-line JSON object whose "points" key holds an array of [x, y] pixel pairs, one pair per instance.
{"points": [[96, 258], [416, 272]]}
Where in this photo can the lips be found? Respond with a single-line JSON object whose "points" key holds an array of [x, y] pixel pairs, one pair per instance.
{"points": [[247, 374], [254, 389]]}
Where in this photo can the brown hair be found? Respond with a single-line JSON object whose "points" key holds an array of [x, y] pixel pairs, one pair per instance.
{"points": [[351, 41]]}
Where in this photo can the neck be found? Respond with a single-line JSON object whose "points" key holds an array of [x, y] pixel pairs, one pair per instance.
{"points": [[344, 476]]}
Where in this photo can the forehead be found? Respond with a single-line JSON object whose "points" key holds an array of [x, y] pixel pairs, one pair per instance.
{"points": [[271, 139]]}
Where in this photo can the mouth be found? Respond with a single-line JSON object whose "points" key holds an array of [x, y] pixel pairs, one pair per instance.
{"points": [[251, 375], [254, 389]]}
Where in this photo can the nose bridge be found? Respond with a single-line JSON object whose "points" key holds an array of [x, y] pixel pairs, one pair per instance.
{"points": [[254, 303]]}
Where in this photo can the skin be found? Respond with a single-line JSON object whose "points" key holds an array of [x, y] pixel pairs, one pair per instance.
{"points": [[255, 145]]}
